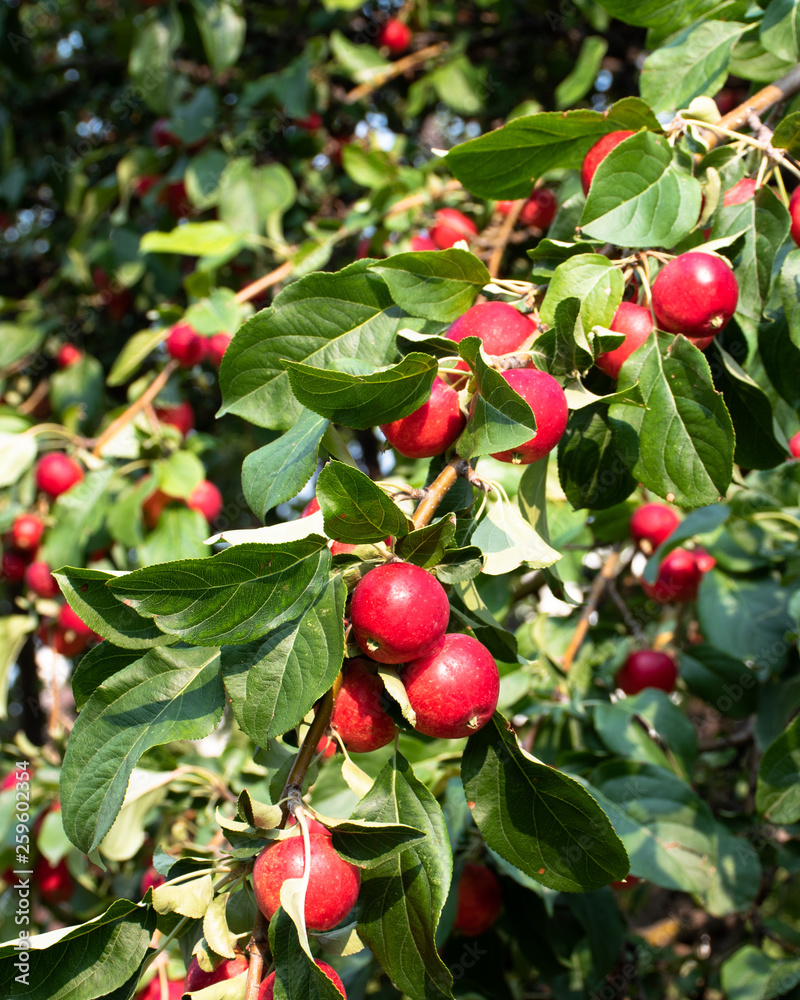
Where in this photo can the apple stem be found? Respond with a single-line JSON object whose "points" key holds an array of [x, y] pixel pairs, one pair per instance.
{"points": [[609, 570]]}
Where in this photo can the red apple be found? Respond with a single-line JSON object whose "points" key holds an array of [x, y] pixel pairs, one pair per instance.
{"points": [[175, 990], [151, 880], [454, 689], [647, 668], [549, 404], [229, 968], [185, 345], [206, 498], [653, 523], [54, 882], [333, 885], [40, 580], [637, 325], [599, 152], [310, 123], [794, 214], [678, 578], [26, 532], [695, 294], [358, 716], [326, 747], [395, 35], [154, 505], [794, 445], [399, 612], [629, 882], [181, 416], [176, 199], [267, 989], [501, 327], [422, 243], [68, 355], [336, 547], [479, 900], [432, 428], [72, 634], [143, 184], [451, 226], [540, 209], [12, 567], [216, 347], [56, 473], [162, 136]]}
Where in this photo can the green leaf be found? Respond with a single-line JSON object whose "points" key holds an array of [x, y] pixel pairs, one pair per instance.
{"points": [[459, 565], [780, 29], [664, 17], [434, 284], [371, 168], [787, 134], [179, 534], [18, 341], [87, 594], [19, 453], [577, 84], [594, 282], [721, 680], [778, 790], [137, 348], [426, 546], [355, 509], [460, 85], [13, 632], [295, 974], [188, 899], [640, 197], [235, 596], [195, 239], [202, 179], [317, 320], [682, 443], [503, 163], [536, 818], [401, 900], [591, 469], [564, 350], [78, 388], [218, 313], [694, 63], [362, 63], [362, 401], [275, 681], [746, 617], [155, 40], [168, 694], [84, 962], [368, 844], [499, 418], [751, 974], [278, 471], [96, 666], [507, 541], [753, 61], [222, 29], [77, 514]]}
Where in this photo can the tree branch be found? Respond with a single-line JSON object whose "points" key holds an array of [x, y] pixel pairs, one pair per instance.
{"points": [[503, 237], [760, 102], [266, 281], [256, 946], [136, 406], [437, 490], [608, 572], [407, 62]]}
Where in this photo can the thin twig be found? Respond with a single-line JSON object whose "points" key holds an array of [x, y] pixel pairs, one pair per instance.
{"points": [[136, 406], [256, 947], [760, 102], [436, 491], [266, 281], [503, 237], [608, 572], [39, 393], [395, 69]]}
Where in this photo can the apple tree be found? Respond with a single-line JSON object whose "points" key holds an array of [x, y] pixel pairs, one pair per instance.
{"points": [[400, 501]]}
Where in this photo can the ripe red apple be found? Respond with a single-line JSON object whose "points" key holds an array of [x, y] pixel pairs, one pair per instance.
{"points": [[154, 505], [696, 295], [451, 226], [181, 416], [432, 428], [12, 567], [176, 199], [68, 355], [216, 347], [175, 990], [326, 747], [741, 192], [267, 989], [549, 404], [678, 577], [454, 689], [332, 889], [794, 213], [40, 580], [56, 473], [794, 445], [73, 627], [336, 547], [26, 532], [162, 135], [143, 184], [206, 498], [229, 968], [185, 345], [54, 882], [629, 882], [310, 123], [358, 715], [479, 900], [399, 612], [422, 243], [540, 209], [395, 35], [647, 668], [599, 152], [637, 325], [653, 523], [501, 327], [151, 880]]}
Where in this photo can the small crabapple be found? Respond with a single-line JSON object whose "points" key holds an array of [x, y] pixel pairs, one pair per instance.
{"points": [[229, 968], [395, 35], [695, 294], [450, 227], [56, 473], [794, 445], [207, 499], [549, 404], [216, 348], [181, 416], [40, 580], [653, 523], [647, 668], [431, 428], [12, 567], [68, 355], [679, 576], [479, 900], [637, 325], [358, 715], [185, 345], [599, 152], [26, 532]]}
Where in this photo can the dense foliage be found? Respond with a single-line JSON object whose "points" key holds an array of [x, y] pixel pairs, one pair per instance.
{"points": [[247, 376]]}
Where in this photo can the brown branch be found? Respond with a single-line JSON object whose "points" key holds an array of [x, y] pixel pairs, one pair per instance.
{"points": [[503, 237], [256, 287], [256, 946], [436, 491], [39, 393], [608, 572], [407, 62], [760, 102], [136, 406]]}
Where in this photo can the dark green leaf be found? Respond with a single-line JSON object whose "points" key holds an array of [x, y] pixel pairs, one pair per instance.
{"points": [[459, 565], [434, 284], [751, 974], [564, 350], [77, 514], [222, 28], [295, 974], [316, 320], [96, 666], [540, 820], [787, 134], [401, 901], [76, 392], [355, 509], [235, 596], [367, 845], [502, 163], [179, 534], [664, 17], [780, 355], [275, 681], [591, 468], [426, 546], [778, 791], [363, 401], [168, 694], [596, 284], [682, 443], [780, 29], [723, 681], [278, 471]]}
